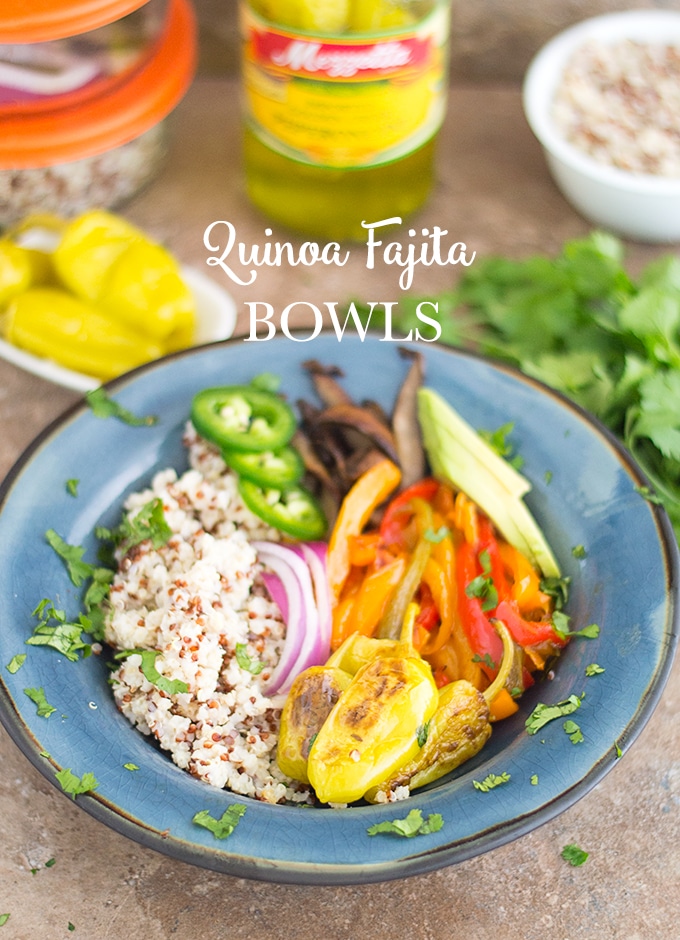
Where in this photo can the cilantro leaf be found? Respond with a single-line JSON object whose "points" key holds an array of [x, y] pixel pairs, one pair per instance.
{"points": [[4, 918], [55, 631], [72, 487], [130, 766], [436, 536], [594, 670], [412, 825], [72, 555], [148, 522], [574, 731], [148, 669], [246, 662], [574, 855], [37, 696], [74, 785], [224, 826], [105, 407], [491, 781], [482, 587], [16, 662], [543, 714]]}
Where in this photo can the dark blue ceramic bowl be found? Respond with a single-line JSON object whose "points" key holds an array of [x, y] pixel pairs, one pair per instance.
{"points": [[585, 492]]}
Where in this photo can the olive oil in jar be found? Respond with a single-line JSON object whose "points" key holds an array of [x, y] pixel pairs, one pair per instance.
{"points": [[343, 103]]}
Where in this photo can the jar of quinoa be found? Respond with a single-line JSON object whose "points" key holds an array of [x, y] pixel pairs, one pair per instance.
{"points": [[85, 91]]}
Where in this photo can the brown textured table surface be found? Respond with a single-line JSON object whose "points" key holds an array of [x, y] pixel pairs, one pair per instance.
{"points": [[494, 194]]}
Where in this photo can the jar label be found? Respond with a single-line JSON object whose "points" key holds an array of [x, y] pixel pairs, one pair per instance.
{"points": [[349, 101]]}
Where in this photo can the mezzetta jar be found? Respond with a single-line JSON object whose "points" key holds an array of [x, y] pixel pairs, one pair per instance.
{"points": [[343, 104]]}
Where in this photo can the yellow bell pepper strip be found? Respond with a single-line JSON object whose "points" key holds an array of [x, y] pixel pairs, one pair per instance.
{"points": [[105, 260], [369, 491], [370, 601], [48, 322], [309, 702], [376, 725]]}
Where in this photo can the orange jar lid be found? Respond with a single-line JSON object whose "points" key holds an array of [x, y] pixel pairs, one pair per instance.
{"points": [[42, 20], [34, 137]]}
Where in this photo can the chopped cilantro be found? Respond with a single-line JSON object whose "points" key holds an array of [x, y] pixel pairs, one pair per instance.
{"points": [[130, 766], [436, 536], [105, 407], [574, 855], [486, 659], [533, 780], [76, 785], [72, 487], [55, 631], [225, 825], [422, 731], [37, 696], [491, 781], [72, 556], [148, 522], [579, 551], [3, 919], [71, 927], [547, 476], [573, 730], [412, 825], [594, 670], [246, 662], [649, 495], [148, 669], [558, 589], [16, 662], [498, 441], [482, 587], [561, 620], [50, 862], [542, 714], [617, 749]]}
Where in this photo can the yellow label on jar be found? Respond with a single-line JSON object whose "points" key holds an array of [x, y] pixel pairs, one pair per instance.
{"points": [[351, 101]]}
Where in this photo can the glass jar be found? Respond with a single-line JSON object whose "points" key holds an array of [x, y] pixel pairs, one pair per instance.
{"points": [[343, 104], [97, 138]]}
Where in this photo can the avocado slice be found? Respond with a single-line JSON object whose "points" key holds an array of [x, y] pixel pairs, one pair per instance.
{"points": [[458, 455]]}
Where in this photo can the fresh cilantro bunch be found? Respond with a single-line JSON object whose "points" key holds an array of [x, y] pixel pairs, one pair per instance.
{"points": [[582, 325]]}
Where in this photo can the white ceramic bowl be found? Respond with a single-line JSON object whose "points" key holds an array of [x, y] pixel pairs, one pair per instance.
{"points": [[642, 207]]}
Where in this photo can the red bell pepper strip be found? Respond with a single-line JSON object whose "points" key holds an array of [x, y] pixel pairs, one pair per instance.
{"points": [[399, 512], [527, 632], [482, 637]]}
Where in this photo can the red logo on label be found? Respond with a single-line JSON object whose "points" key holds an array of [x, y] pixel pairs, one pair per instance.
{"points": [[339, 60]]}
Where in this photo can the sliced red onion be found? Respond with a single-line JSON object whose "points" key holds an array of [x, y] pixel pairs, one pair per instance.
{"points": [[302, 646], [277, 592], [315, 554]]}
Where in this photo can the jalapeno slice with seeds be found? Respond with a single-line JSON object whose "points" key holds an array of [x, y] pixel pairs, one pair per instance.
{"points": [[242, 418], [267, 468], [292, 510]]}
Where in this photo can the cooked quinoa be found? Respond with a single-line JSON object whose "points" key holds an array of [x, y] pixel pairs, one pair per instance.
{"points": [[620, 103], [193, 600]]}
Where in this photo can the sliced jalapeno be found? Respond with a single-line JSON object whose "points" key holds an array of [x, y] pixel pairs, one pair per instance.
{"points": [[242, 418], [292, 510], [268, 468]]}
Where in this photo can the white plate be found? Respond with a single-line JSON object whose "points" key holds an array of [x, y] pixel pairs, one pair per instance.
{"points": [[215, 320]]}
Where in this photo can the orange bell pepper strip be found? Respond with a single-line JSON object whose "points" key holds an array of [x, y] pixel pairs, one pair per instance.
{"points": [[400, 511], [369, 491], [368, 602], [502, 706], [525, 586], [438, 582]]}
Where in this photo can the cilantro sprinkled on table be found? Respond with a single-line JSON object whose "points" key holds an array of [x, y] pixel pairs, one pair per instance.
{"points": [[412, 825], [4, 918], [574, 855], [224, 826], [103, 406]]}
